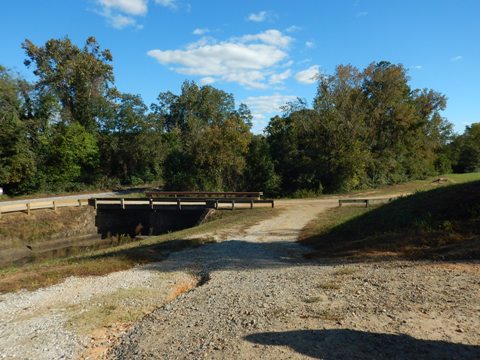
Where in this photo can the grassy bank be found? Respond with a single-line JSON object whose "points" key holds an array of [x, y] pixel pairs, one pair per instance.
{"points": [[422, 185], [443, 223], [123, 257]]}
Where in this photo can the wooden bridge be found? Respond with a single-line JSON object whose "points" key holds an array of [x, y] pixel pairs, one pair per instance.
{"points": [[177, 203]]}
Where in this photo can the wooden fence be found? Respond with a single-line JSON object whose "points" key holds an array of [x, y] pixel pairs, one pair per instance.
{"points": [[38, 204]]}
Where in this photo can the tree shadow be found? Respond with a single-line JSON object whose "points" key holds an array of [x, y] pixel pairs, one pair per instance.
{"points": [[221, 256], [339, 344]]}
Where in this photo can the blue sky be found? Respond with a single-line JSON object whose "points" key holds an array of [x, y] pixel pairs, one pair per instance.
{"points": [[264, 52]]}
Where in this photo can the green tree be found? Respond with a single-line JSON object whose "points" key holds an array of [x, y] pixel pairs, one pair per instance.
{"points": [[259, 172], [69, 157], [131, 142], [78, 78], [209, 138], [17, 160], [466, 149]]}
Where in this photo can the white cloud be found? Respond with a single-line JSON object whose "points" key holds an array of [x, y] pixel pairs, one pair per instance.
{"points": [[258, 17], [265, 107], [361, 14], [280, 77], [248, 60], [120, 21], [308, 76], [456, 58], [262, 16], [292, 29], [267, 104], [122, 13], [131, 7], [167, 3], [200, 31], [310, 44], [272, 36], [417, 67], [207, 80]]}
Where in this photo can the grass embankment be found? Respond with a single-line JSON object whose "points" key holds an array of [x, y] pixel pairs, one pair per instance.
{"points": [[125, 256], [443, 223], [421, 185]]}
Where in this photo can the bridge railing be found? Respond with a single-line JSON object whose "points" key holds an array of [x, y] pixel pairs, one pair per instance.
{"points": [[205, 194], [177, 202], [29, 206]]}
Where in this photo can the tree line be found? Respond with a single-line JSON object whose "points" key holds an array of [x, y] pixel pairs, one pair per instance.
{"points": [[72, 129]]}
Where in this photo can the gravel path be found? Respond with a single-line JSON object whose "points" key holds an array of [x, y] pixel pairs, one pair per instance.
{"points": [[257, 298], [262, 300], [46, 323]]}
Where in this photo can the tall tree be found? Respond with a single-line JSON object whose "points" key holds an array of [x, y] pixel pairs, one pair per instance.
{"points": [[209, 138], [78, 78], [17, 160]]}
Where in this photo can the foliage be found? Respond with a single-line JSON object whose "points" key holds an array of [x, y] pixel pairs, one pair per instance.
{"points": [[366, 128], [73, 129], [465, 150], [78, 78], [209, 138], [260, 171], [17, 161]]}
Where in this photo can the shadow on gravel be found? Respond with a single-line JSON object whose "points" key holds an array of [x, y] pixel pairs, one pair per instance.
{"points": [[341, 344], [231, 255]]}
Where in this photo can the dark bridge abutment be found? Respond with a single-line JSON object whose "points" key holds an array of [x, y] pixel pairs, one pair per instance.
{"points": [[134, 221]]}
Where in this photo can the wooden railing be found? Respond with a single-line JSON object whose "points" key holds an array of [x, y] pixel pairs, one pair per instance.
{"points": [[367, 202], [28, 206], [179, 203], [205, 194]]}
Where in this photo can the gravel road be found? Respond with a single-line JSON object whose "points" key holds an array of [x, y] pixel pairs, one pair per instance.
{"points": [[256, 297], [262, 300]]}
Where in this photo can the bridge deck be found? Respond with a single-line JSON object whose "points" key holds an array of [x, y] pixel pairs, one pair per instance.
{"points": [[174, 203]]}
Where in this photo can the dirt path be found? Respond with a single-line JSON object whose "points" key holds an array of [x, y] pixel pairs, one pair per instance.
{"points": [[255, 297], [262, 300]]}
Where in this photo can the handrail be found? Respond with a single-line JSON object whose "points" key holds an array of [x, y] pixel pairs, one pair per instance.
{"points": [[40, 205], [220, 194], [179, 202]]}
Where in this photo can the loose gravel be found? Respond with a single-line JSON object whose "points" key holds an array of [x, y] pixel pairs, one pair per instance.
{"points": [[264, 301], [257, 297]]}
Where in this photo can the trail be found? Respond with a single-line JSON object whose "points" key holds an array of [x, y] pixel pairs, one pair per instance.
{"points": [[256, 297], [262, 300]]}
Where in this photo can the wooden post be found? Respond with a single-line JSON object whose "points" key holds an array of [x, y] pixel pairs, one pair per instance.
{"points": [[54, 205], [273, 203], [79, 202], [28, 208], [0, 212], [251, 204], [95, 203], [151, 203], [122, 201], [339, 203], [366, 203], [179, 204], [216, 204], [233, 204]]}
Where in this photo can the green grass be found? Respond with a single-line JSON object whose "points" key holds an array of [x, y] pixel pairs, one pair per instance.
{"points": [[422, 185], [443, 223], [125, 256]]}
